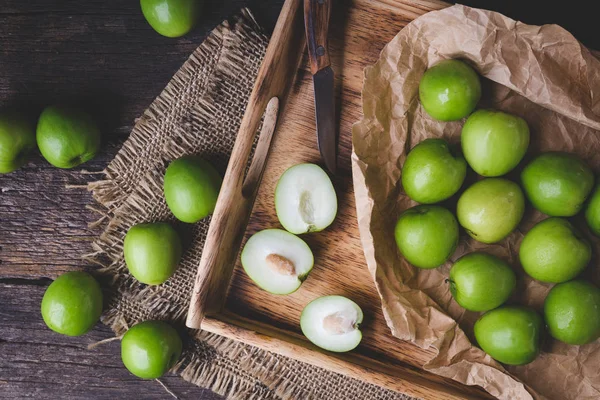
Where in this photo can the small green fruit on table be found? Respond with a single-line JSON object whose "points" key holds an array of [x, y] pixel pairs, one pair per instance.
{"points": [[67, 136], [149, 349], [510, 334], [572, 312], [171, 18], [72, 303], [191, 188], [494, 142], [426, 235], [554, 251], [152, 252], [481, 281], [592, 212], [17, 140], [557, 183], [450, 90], [432, 172], [491, 209]]}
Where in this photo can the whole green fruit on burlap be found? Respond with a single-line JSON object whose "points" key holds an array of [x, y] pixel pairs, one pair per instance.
{"points": [[150, 348]]}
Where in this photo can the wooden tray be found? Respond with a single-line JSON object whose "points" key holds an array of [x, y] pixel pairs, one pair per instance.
{"points": [[225, 300]]}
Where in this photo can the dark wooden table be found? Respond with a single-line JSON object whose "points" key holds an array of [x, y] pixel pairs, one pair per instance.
{"points": [[103, 55]]}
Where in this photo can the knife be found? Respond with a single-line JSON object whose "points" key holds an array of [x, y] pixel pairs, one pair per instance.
{"points": [[316, 22]]}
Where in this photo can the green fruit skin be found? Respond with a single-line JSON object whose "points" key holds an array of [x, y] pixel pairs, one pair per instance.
{"points": [[426, 235], [171, 18], [554, 251], [72, 303], [510, 334], [17, 140], [572, 312], [481, 282], [592, 212], [67, 136], [494, 142], [191, 188], [149, 349], [152, 252], [450, 90], [557, 183], [491, 209], [431, 173]]}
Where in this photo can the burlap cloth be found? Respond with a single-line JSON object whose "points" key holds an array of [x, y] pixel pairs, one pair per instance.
{"points": [[199, 112]]}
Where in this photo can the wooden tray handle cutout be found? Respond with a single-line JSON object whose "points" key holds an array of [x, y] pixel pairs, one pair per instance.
{"points": [[233, 208]]}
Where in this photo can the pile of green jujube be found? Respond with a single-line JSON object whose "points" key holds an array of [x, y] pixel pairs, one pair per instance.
{"points": [[554, 251]]}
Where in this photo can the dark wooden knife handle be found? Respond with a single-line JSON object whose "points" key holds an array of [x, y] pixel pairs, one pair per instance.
{"points": [[316, 21]]}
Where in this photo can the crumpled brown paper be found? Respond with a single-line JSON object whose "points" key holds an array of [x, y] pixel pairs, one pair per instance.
{"points": [[542, 74]]}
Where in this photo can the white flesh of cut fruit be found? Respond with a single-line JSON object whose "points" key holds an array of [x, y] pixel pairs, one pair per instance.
{"points": [[277, 261], [305, 199], [331, 322]]}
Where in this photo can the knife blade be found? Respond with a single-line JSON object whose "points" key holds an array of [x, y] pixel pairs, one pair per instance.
{"points": [[316, 20]]}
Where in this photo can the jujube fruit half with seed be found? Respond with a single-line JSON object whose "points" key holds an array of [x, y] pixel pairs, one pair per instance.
{"points": [[481, 282], [191, 188], [17, 140], [510, 334], [67, 136], [72, 304], [277, 261], [426, 235], [150, 348], [332, 323], [572, 312], [171, 18], [554, 251], [432, 172], [494, 142], [152, 252], [557, 183], [450, 90], [491, 209], [305, 200]]}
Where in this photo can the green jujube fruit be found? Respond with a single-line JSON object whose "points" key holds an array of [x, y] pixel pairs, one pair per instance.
{"points": [[592, 212], [152, 252], [572, 312], [150, 348], [510, 334], [72, 304], [432, 173], [554, 251], [491, 209], [494, 142], [67, 136], [17, 140], [171, 18], [450, 90], [557, 183], [426, 235], [191, 188], [481, 282]]}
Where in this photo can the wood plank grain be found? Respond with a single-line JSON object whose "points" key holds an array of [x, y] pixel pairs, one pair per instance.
{"points": [[39, 363]]}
